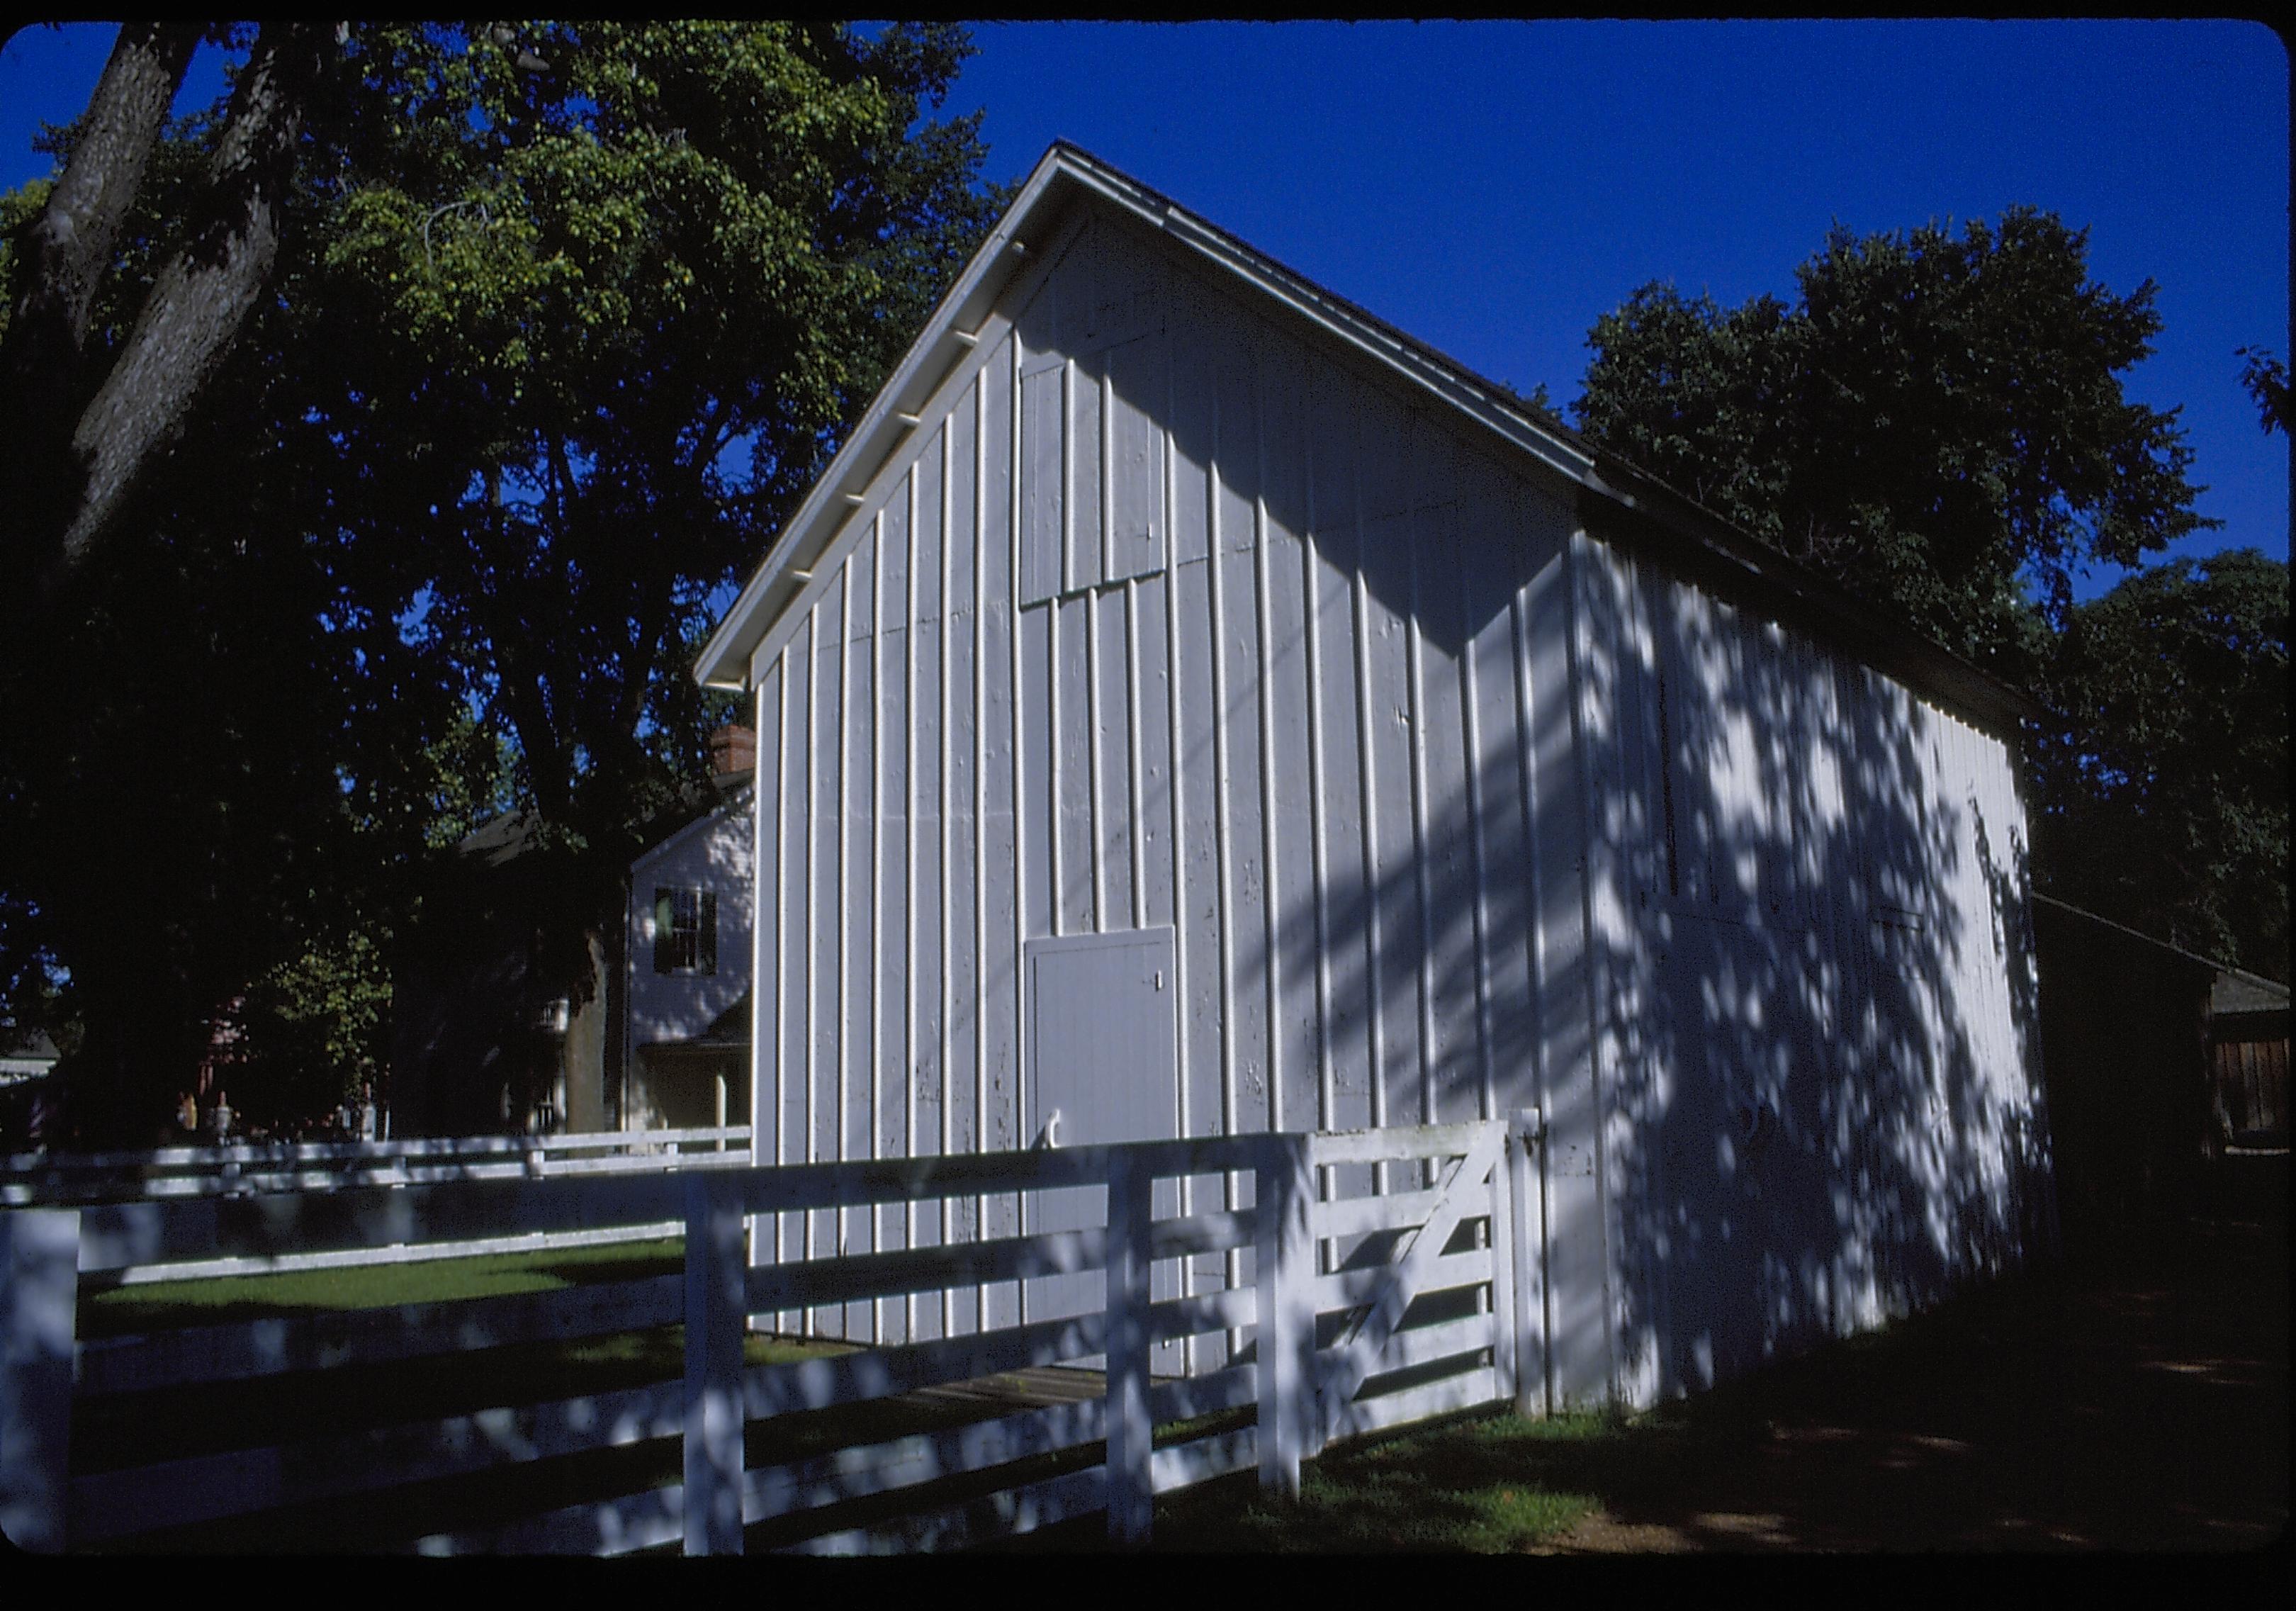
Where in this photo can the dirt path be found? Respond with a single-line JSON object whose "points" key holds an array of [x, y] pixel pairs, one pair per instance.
{"points": [[2143, 1410]]}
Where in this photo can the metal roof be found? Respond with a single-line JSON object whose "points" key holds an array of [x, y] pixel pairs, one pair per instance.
{"points": [[1613, 494]]}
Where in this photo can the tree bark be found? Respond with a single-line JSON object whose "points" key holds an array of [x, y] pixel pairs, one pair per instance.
{"points": [[65, 254], [202, 294]]}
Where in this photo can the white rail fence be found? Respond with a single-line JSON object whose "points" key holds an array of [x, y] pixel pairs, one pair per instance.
{"points": [[29, 1180], [43, 1179], [1363, 1311]]}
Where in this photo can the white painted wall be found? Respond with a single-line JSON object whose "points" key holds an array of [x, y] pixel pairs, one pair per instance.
{"points": [[1818, 1038], [1169, 615], [715, 852]]}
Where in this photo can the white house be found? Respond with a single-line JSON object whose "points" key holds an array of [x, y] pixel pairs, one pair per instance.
{"points": [[1190, 705], [685, 1054]]}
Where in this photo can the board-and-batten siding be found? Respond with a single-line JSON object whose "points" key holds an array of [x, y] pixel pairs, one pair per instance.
{"points": [[1166, 616], [1808, 896], [1162, 619]]}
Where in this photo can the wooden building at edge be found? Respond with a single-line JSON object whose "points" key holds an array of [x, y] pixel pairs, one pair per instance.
{"points": [[1188, 706]]}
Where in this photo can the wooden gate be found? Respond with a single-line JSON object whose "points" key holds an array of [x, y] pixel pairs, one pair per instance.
{"points": [[1431, 1298]]}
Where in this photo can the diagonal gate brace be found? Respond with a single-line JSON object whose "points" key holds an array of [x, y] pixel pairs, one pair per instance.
{"points": [[1351, 1360]]}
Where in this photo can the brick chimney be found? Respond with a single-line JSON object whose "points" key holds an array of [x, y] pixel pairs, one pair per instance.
{"points": [[732, 748]]}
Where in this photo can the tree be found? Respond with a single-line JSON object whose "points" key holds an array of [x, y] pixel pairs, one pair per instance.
{"points": [[2164, 800], [83, 434], [560, 322], [1938, 423]]}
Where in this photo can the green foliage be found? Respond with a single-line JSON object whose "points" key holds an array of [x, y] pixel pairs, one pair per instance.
{"points": [[610, 315], [17, 208], [475, 766], [318, 1030], [2165, 800], [1937, 423], [2265, 379], [565, 318]]}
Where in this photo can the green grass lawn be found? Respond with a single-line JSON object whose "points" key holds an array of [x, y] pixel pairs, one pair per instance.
{"points": [[1482, 1482], [226, 1298], [1471, 1484]]}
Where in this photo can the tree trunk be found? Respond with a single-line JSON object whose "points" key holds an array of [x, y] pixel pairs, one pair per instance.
{"points": [[203, 293], [65, 254]]}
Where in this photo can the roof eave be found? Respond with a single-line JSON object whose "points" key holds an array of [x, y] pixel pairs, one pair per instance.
{"points": [[1977, 691], [947, 337]]}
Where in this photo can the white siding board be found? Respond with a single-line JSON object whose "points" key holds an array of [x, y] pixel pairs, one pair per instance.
{"points": [[858, 983], [1289, 798], [1115, 787], [1384, 600], [767, 1009], [1008, 833], [1085, 502], [1068, 828], [1137, 397]]}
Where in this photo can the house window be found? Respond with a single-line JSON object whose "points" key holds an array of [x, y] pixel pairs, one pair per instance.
{"points": [[684, 932]]}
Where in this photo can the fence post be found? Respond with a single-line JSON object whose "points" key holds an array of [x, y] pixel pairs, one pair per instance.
{"points": [[715, 1297], [1131, 1488], [1528, 1234], [1506, 1335], [39, 1298], [1286, 1346]]}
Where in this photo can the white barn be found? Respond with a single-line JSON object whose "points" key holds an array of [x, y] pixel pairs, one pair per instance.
{"points": [[1189, 705]]}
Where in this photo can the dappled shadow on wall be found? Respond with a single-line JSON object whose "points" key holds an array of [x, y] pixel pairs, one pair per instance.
{"points": [[1814, 983]]}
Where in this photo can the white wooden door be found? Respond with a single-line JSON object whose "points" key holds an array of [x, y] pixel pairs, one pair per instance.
{"points": [[1102, 1026]]}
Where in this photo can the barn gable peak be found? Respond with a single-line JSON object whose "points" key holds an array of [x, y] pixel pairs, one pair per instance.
{"points": [[1613, 496]]}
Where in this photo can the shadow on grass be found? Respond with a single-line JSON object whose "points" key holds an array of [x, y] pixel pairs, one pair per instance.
{"points": [[2136, 1406], [2142, 1405]]}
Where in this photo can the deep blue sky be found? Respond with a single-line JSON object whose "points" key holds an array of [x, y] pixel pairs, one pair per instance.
{"points": [[1491, 188]]}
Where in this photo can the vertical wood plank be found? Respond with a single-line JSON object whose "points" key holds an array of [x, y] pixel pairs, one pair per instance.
{"points": [[890, 539], [1178, 688], [1131, 1492], [792, 1118], [1525, 1159], [909, 1064], [40, 1307], [824, 929], [957, 530], [1271, 891], [858, 979], [713, 1364], [1042, 439], [1082, 500], [1506, 1333], [769, 806], [1009, 860], [1421, 852], [1222, 993], [1284, 1266]]}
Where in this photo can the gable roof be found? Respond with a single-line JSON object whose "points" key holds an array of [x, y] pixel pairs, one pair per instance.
{"points": [[733, 802], [1610, 492]]}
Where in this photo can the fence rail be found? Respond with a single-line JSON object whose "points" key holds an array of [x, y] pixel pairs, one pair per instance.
{"points": [[36, 1179], [1349, 1308], [33, 1179]]}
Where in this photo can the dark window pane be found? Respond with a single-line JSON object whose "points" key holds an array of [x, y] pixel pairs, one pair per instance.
{"points": [[664, 946]]}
